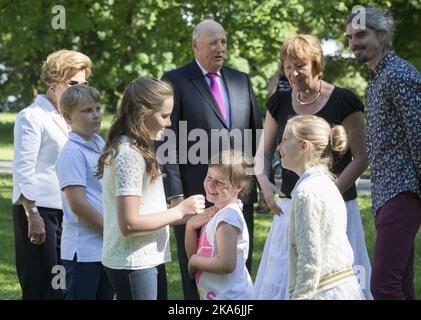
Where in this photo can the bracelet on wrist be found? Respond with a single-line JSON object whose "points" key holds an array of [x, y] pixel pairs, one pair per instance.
{"points": [[31, 211]]}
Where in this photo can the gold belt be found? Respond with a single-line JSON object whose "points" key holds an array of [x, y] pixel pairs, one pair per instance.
{"points": [[329, 280]]}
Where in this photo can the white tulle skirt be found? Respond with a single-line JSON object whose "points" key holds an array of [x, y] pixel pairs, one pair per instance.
{"points": [[272, 276], [355, 233]]}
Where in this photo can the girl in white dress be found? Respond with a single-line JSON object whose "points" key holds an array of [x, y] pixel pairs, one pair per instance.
{"points": [[218, 258], [320, 256]]}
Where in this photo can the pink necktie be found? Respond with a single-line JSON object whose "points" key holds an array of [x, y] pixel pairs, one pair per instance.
{"points": [[216, 92]]}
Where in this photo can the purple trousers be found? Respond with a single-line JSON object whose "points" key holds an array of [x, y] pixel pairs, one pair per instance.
{"points": [[397, 223]]}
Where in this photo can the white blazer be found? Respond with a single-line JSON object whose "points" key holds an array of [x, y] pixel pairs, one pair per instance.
{"points": [[40, 133]]}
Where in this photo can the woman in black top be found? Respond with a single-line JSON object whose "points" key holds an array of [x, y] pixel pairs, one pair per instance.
{"points": [[303, 64]]}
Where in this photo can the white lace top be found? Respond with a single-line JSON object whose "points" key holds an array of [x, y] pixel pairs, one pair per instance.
{"points": [[318, 244], [127, 176]]}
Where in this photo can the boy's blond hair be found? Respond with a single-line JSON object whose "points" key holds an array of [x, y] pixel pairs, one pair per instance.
{"points": [[78, 95]]}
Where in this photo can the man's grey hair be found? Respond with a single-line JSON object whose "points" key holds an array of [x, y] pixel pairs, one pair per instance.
{"points": [[199, 28], [196, 32], [377, 19]]}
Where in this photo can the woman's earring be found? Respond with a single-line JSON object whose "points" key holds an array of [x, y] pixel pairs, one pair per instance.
{"points": [[53, 87]]}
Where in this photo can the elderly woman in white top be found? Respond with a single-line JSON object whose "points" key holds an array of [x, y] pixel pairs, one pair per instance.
{"points": [[39, 134]]}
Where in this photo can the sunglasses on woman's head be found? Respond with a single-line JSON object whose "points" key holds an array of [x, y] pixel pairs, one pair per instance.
{"points": [[74, 82]]}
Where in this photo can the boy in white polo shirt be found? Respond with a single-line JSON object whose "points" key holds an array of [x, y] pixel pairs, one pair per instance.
{"points": [[81, 240]]}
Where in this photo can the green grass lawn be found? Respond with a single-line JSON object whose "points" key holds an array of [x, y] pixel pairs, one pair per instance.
{"points": [[9, 287]]}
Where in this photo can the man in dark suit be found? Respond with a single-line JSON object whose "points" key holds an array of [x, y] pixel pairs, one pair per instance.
{"points": [[208, 96]]}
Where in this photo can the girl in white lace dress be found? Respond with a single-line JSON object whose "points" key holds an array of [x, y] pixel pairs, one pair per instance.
{"points": [[136, 219], [320, 256], [218, 258]]}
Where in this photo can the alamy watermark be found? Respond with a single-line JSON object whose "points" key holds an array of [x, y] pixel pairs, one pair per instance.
{"points": [[59, 20], [59, 280], [358, 21], [199, 145], [361, 275]]}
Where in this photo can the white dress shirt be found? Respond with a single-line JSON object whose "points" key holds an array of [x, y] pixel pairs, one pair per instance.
{"points": [[40, 133]]}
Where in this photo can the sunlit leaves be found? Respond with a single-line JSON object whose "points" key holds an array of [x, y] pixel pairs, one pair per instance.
{"points": [[129, 38]]}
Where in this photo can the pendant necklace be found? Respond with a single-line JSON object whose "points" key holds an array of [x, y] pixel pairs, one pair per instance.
{"points": [[297, 96]]}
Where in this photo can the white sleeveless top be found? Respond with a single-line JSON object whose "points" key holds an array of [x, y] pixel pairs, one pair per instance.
{"points": [[233, 286]]}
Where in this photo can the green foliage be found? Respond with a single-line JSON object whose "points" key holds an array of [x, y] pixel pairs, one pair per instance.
{"points": [[126, 39], [6, 135]]}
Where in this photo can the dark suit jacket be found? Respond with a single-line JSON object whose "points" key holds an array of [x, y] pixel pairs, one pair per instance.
{"points": [[194, 103]]}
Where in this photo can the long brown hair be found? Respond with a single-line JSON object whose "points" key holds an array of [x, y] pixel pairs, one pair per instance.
{"points": [[142, 98]]}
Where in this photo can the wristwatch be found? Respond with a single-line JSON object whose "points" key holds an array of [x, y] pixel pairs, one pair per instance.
{"points": [[31, 211]]}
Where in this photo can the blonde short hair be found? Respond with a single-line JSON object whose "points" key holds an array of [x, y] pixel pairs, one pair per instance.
{"points": [[62, 64], [304, 47], [78, 95], [322, 138]]}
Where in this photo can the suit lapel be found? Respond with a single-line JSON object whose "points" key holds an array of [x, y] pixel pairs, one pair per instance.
{"points": [[55, 117], [61, 125], [200, 83]]}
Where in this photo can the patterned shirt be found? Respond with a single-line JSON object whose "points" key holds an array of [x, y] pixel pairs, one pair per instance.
{"points": [[393, 99]]}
